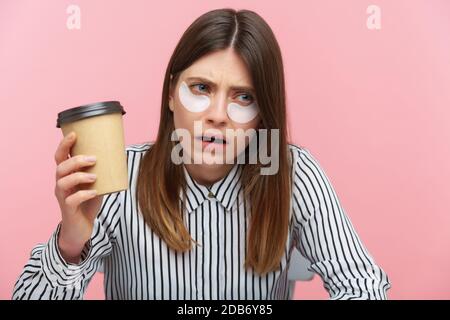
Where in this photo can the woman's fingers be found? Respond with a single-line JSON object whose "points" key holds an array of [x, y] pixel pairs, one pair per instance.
{"points": [[70, 181], [75, 199], [73, 164], [63, 150]]}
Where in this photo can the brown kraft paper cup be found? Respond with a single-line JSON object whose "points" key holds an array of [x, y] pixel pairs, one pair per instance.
{"points": [[99, 130]]}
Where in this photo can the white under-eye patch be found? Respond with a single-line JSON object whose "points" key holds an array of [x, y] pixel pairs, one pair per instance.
{"points": [[241, 114], [192, 102]]}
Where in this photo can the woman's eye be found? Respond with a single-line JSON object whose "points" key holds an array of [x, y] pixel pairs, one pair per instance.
{"points": [[246, 98], [200, 87]]}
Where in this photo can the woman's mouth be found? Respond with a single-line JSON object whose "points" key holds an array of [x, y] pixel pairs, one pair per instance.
{"points": [[212, 141]]}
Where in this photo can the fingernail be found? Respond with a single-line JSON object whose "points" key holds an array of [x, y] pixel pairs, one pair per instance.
{"points": [[92, 192], [91, 176], [90, 158], [70, 136]]}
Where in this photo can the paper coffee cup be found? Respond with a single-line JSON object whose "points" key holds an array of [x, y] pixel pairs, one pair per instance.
{"points": [[99, 130]]}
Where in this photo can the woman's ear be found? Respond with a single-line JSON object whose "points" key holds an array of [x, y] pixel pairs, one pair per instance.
{"points": [[171, 92], [171, 103]]}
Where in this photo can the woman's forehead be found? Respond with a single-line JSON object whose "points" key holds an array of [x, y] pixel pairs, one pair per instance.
{"points": [[220, 67]]}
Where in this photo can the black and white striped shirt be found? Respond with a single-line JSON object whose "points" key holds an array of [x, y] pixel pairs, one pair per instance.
{"points": [[138, 265]]}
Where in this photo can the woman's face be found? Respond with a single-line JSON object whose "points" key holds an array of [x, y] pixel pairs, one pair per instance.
{"points": [[214, 97]]}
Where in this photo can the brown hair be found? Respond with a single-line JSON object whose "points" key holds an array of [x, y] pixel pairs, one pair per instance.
{"points": [[160, 180]]}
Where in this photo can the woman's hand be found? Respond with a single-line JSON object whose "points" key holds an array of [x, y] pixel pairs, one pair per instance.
{"points": [[79, 207]]}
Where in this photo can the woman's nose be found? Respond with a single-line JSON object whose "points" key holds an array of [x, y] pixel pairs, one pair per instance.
{"points": [[217, 112]]}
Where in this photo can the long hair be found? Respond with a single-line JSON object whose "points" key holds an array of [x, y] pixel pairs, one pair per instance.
{"points": [[160, 180]]}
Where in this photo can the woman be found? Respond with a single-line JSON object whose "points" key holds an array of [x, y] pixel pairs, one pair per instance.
{"points": [[214, 228]]}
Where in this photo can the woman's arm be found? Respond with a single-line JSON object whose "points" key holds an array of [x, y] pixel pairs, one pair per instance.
{"points": [[324, 234], [48, 276]]}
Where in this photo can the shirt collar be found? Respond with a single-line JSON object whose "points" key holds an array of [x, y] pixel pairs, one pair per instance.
{"points": [[225, 191]]}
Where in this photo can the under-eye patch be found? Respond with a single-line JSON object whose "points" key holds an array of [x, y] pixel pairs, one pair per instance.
{"points": [[192, 102], [241, 114]]}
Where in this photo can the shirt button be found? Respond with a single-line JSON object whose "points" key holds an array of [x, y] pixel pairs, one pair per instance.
{"points": [[211, 195]]}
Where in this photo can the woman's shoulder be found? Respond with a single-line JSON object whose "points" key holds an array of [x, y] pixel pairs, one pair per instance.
{"points": [[138, 147], [298, 151], [303, 159], [135, 153]]}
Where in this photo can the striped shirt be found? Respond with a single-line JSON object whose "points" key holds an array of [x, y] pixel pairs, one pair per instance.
{"points": [[137, 264]]}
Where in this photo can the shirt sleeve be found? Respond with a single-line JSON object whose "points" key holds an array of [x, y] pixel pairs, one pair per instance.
{"points": [[48, 276], [324, 234]]}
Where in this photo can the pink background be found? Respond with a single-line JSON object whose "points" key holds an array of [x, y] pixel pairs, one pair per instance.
{"points": [[373, 106]]}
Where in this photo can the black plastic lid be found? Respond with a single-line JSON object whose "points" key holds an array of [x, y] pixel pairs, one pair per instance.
{"points": [[88, 110]]}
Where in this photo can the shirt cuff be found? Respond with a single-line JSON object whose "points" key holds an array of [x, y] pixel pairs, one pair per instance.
{"points": [[57, 270]]}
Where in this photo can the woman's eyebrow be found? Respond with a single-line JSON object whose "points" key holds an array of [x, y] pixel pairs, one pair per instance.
{"points": [[212, 84]]}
